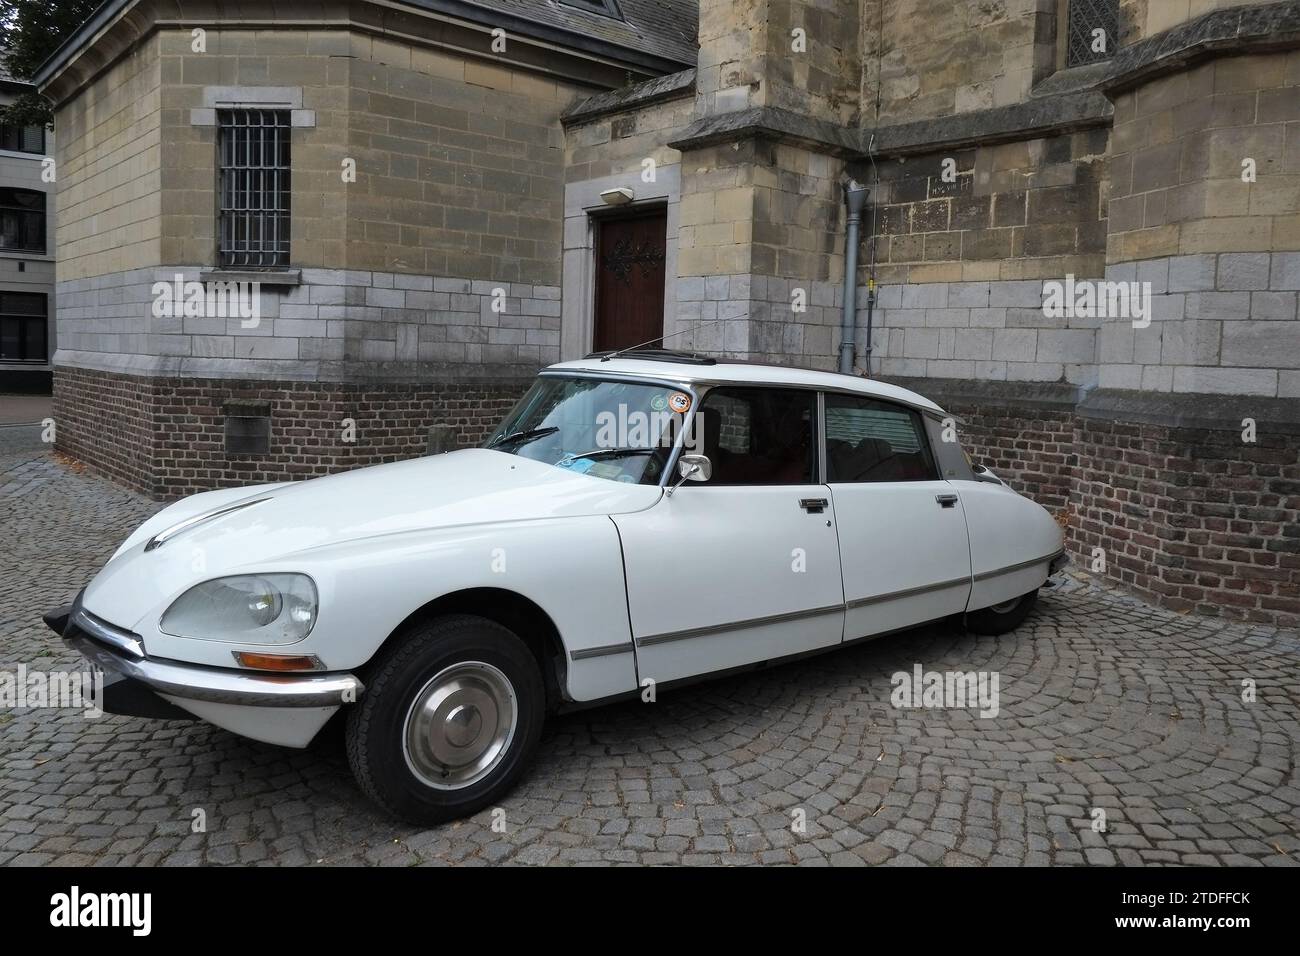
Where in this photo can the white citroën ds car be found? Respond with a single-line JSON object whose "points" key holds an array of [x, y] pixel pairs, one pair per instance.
{"points": [[655, 517]]}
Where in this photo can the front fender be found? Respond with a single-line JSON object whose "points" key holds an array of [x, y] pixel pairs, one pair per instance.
{"points": [[572, 568]]}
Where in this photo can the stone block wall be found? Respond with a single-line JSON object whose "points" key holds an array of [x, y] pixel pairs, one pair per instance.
{"points": [[109, 163], [988, 331], [935, 58], [1221, 324], [964, 241], [761, 256], [751, 56], [458, 161], [1032, 209], [338, 325], [435, 273], [1180, 146]]}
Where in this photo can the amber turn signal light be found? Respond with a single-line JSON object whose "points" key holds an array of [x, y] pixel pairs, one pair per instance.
{"points": [[278, 662]]}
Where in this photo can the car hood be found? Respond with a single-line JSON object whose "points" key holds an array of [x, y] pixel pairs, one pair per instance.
{"points": [[279, 526]]}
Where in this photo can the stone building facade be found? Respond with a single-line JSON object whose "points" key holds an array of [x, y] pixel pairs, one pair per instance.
{"points": [[509, 156], [27, 331]]}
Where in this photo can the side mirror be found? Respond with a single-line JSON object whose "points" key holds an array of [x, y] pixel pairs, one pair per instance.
{"points": [[692, 468]]}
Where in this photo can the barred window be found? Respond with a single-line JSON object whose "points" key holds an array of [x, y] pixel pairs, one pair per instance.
{"points": [[22, 220], [23, 323], [22, 139], [1093, 31], [253, 148]]}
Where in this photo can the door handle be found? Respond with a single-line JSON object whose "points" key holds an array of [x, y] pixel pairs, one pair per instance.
{"points": [[814, 506], [946, 501]]}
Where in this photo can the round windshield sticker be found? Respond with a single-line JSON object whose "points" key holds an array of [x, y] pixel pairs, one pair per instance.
{"points": [[679, 402], [658, 403]]}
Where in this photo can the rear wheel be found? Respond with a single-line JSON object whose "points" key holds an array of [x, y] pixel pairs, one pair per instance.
{"points": [[449, 720], [1003, 617]]}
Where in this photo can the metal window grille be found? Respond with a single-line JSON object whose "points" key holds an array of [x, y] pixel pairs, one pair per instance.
{"points": [[1087, 17], [254, 214]]}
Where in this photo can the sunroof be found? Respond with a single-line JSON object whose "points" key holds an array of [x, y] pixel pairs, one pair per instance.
{"points": [[607, 8]]}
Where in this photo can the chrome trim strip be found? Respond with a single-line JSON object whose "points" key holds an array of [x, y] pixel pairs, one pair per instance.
{"points": [[736, 625], [606, 650], [101, 630], [215, 685], [906, 592], [823, 472], [985, 575], [162, 537]]}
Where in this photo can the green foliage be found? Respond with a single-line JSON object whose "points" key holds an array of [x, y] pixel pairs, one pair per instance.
{"points": [[30, 30]]}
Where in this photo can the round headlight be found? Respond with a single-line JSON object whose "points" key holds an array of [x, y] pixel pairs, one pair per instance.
{"points": [[245, 609], [264, 603]]}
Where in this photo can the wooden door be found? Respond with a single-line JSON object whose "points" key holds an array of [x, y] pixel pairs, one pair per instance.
{"points": [[630, 252]]}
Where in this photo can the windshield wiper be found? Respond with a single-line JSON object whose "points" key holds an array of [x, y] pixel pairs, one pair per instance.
{"points": [[611, 453], [518, 438]]}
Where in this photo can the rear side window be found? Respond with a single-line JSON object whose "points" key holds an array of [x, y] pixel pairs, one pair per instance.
{"points": [[759, 436], [869, 440]]}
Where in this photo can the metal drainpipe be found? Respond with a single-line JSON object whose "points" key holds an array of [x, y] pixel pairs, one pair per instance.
{"points": [[855, 197]]}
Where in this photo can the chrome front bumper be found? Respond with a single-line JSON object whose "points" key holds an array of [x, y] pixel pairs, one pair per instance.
{"points": [[122, 652]]}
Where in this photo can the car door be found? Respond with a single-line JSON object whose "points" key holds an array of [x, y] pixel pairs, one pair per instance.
{"points": [[903, 540], [744, 567]]}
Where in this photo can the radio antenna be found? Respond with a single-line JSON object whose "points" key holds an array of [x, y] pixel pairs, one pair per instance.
{"points": [[628, 348]]}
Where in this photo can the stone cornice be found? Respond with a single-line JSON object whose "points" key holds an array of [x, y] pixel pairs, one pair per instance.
{"points": [[120, 25], [675, 86], [1048, 395], [1192, 410], [1236, 30], [769, 122], [1036, 117], [1040, 116], [1168, 409]]}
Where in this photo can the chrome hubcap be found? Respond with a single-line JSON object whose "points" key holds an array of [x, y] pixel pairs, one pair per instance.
{"points": [[460, 725], [1005, 606]]}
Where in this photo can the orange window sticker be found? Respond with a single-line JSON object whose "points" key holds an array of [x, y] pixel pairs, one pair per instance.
{"points": [[679, 402]]}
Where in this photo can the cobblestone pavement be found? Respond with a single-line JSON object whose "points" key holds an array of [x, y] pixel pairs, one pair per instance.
{"points": [[1105, 704]]}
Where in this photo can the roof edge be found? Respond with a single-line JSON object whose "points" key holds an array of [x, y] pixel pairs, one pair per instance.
{"points": [[111, 11]]}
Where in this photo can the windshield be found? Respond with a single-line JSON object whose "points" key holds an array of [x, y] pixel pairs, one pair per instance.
{"points": [[622, 431]]}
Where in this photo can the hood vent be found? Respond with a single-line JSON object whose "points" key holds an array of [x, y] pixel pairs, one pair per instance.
{"points": [[162, 537]]}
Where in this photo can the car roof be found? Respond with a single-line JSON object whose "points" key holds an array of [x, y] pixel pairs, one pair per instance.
{"points": [[690, 369]]}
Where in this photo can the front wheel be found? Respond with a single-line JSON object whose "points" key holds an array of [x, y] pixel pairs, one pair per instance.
{"points": [[1003, 617], [450, 719]]}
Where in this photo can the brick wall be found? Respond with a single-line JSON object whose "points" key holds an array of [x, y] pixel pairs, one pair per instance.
{"points": [[106, 421], [1192, 518], [1031, 448], [1187, 512], [165, 437]]}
